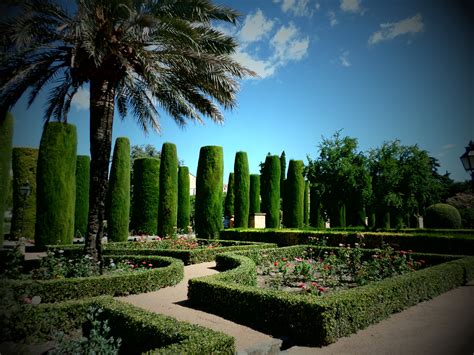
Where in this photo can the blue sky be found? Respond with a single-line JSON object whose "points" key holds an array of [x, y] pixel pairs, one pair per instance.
{"points": [[379, 70]]}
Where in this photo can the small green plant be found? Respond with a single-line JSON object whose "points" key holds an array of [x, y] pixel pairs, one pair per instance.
{"points": [[11, 264]]}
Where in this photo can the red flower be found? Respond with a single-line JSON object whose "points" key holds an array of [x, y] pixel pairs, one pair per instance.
{"points": [[144, 262], [315, 284], [275, 263], [321, 289], [284, 259], [302, 285]]}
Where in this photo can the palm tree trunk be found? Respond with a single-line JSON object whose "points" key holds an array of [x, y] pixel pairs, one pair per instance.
{"points": [[102, 95]]}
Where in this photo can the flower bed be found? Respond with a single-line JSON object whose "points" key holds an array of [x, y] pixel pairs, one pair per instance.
{"points": [[139, 330], [312, 319]]}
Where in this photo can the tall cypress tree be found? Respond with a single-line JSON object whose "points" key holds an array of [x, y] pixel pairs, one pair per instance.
{"points": [[229, 197], [254, 193], [81, 210], [306, 204], [282, 173], [208, 215], [168, 201], [56, 185], [184, 207], [271, 191], [118, 193], [293, 199], [316, 218], [242, 190], [6, 136]]}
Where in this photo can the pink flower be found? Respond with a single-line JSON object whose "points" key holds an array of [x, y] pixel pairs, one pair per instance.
{"points": [[298, 259], [315, 284], [275, 263], [144, 262], [302, 285], [150, 265], [321, 289]]}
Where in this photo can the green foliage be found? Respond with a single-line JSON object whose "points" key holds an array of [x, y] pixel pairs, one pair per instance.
{"points": [[118, 192], [208, 214], [442, 215], [24, 161], [282, 173], [241, 190], [229, 197], [183, 198], [6, 136], [306, 204], [146, 176], [168, 200], [270, 191], [294, 195], [254, 193], [56, 185], [316, 217], [81, 209]]}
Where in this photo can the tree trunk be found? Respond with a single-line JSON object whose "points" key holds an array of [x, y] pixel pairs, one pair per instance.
{"points": [[102, 95]]}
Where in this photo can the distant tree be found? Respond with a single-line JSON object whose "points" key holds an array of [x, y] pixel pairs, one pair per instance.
{"points": [[168, 199], [283, 173], [306, 204], [242, 190], [254, 193], [183, 198], [143, 151], [270, 191], [229, 197], [293, 199]]}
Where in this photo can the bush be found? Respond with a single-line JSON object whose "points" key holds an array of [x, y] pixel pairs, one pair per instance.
{"points": [[146, 190], [241, 190], [293, 199], [168, 201], [184, 207], [306, 204], [441, 215], [24, 161], [229, 197], [81, 210], [56, 185], [6, 136], [271, 191], [254, 194], [208, 210]]}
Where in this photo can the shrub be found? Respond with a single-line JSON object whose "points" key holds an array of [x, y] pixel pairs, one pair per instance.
{"points": [[24, 161], [441, 215], [208, 215], [229, 197], [293, 199], [306, 204], [242, 190], [6, 136], [81, 209], [254, 194], [271, 191], [146, 189], [183, 198], [168, 201], [56, 185]]}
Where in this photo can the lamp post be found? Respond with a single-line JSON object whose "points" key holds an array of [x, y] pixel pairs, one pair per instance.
{"points": [[467, 160]]}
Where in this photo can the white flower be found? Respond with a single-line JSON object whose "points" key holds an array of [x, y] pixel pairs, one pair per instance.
{"points": [[61, 251], [36, 300], [341, 245]]}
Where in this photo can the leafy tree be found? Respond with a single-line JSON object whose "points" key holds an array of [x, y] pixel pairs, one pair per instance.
{"points": [[134, 55]]}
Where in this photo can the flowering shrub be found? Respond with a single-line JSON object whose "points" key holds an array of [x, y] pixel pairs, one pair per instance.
{"points": [[179, 243]]}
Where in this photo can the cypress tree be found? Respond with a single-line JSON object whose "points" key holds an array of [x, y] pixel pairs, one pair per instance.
{"points": [[242, 190], [168, 201], [229, 197], [146, 191], [316, 218], [81, 210], [254, 194], [6, 136], [271, 191], [118, 192], [56, 185], [183, 198], [306, 204], [208, 211], [282, 173], [293, 198]]}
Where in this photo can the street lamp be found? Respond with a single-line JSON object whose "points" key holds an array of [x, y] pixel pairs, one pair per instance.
{"points": [[467, 160]]}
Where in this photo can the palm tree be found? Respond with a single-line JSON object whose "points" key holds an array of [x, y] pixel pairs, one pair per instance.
{"points": [[134, 54]]}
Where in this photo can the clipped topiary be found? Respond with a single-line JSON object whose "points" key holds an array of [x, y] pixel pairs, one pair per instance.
{"points": [[442, 215], [56, 185], [6, 136], [81, 210], [229, 197], [241, 190], [293, 199], [208, 210], [306, 204], [270, 191], [184, 207], [168, 201], [146, 191], [254, 193], [118, 192]]}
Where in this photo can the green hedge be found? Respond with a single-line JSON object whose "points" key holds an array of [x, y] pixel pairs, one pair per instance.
{"points": [[270, 191], [229, 197], [241, 190], [24, 161], [254, 194], [317, 320], [442, 215], [6, 136], [293, 198], [428, 243], [140, 330], [118, 192], [81, 211], [306, 204], [57, 290], [146, 190], [184, 207], [56, 185], [168, 200]]}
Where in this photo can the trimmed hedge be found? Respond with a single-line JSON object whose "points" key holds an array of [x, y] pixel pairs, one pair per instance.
{"points": [[56, 185], [208, 210], [57, 290], [229, 197], [241, 190], [146, 190], [141, 331], [24, 161], [428, 243], [168, 200], [81, 210], [306, 204], [270, 191], [184, 207], [254, 194], [6, 136], [118, 192], [442, 215], [316, 320], [293, 198]]}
